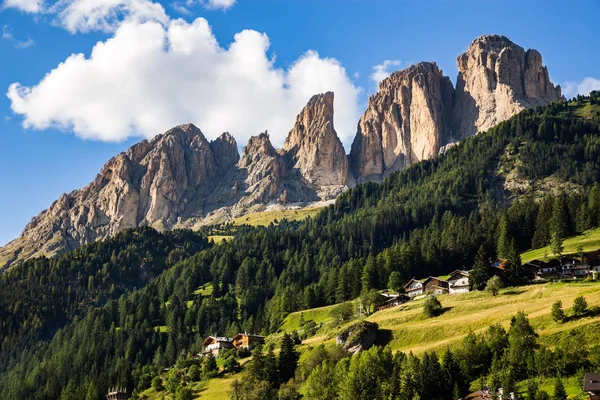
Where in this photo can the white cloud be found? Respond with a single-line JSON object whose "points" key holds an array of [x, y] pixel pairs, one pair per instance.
{"points": [[572, 89], [105, 15], [28, 6], [7, 35], [382, 71], [218, 4], [149, 77]]}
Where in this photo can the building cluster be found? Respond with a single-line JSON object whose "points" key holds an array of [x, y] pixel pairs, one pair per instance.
{"points": [[457, 282], [567, 267], [215, 344]]}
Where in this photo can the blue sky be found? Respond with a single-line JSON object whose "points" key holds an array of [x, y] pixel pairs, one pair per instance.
{"points": [[64, 121]]}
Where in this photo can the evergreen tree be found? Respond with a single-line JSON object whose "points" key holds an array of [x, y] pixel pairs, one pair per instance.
{"points": [[481, 272], [288, 359], [514, 264], [369, 275], [560, 218], [396, 283], [556, 245], [559, 390]]}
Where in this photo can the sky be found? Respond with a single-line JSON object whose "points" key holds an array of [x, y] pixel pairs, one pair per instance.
{"points": [[85, 79]]}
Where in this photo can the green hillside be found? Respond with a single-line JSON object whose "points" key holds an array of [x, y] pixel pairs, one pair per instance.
{"points": [[588, 241], [411, 331]]}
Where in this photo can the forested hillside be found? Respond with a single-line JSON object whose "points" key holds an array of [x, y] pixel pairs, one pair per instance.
{"points": [[431, 218]]}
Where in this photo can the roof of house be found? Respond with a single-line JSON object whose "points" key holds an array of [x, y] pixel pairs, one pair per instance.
{"points": [[249, 335], [458, 272], [480, 394], [217, 339], [411, 281], [442, 283], [592, 382]]}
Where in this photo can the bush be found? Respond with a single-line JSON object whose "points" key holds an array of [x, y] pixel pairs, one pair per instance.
{"points": [[184, 393], [580, 306], [494, 284], [243, 352], [432, 307], [157, 384], [558, 314]]}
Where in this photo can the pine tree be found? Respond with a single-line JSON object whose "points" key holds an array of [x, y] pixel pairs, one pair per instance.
{"points": [[503, 238], [560, 217], [556, 244], [559, 390], [288, 359], [481, 271], [514, 263], [369, 276]]}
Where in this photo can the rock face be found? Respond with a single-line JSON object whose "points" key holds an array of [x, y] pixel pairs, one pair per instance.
{"points": [[407, 121], [180, 179], [313, 147], [358, 337], [496, 80]]}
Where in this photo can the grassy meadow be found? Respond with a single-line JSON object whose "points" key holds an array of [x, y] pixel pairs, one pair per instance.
{"points": [[589, 241], [406, 329]]}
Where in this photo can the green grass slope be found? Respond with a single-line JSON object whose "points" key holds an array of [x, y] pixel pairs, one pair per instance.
{"points": [[589, 241], [408, 330]]}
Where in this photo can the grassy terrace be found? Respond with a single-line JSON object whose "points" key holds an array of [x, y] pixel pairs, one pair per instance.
{"points": [[590, 241], [265, 218], [406, 329]]}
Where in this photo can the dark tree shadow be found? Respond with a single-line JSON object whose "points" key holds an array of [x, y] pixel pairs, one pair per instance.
{"points": [[513, 292], [383, 337]]}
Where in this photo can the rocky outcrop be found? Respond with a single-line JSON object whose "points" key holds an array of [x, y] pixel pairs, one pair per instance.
{"points": [[406, 121], [496, 80], [358, 337], [313, 147]]}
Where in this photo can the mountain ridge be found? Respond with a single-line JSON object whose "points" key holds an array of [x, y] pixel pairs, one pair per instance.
{"points": [[180, 179]]}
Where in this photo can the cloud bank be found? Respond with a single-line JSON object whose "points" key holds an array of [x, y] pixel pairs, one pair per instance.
{"points": [[153, 74], [584, 87]]}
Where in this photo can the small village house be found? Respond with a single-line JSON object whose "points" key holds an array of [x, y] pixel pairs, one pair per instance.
{"points": [[436, 286], [117, 394], [389, 300], [414, 288], [246, 341], [214, 344], [459, 282], [591, 385]]}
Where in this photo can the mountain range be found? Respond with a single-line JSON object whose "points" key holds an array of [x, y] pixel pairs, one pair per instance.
{"points": [[180, 179]]}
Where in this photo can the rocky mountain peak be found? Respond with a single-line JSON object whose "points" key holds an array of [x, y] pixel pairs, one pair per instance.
{"points": [[257, 146], [405, 122], [225, 151], [496, 80], [313, 147]]}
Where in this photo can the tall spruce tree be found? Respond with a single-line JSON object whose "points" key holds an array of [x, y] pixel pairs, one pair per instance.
{"points": [[481, 272], [288, 359]]}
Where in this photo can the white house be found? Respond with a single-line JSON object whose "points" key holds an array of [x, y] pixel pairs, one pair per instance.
{"points": [[414, 288], [459, 282]]}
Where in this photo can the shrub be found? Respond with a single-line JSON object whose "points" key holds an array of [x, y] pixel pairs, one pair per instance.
{"points": [[494, 284], [580, 306], [558, 314], [432, 307]]}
